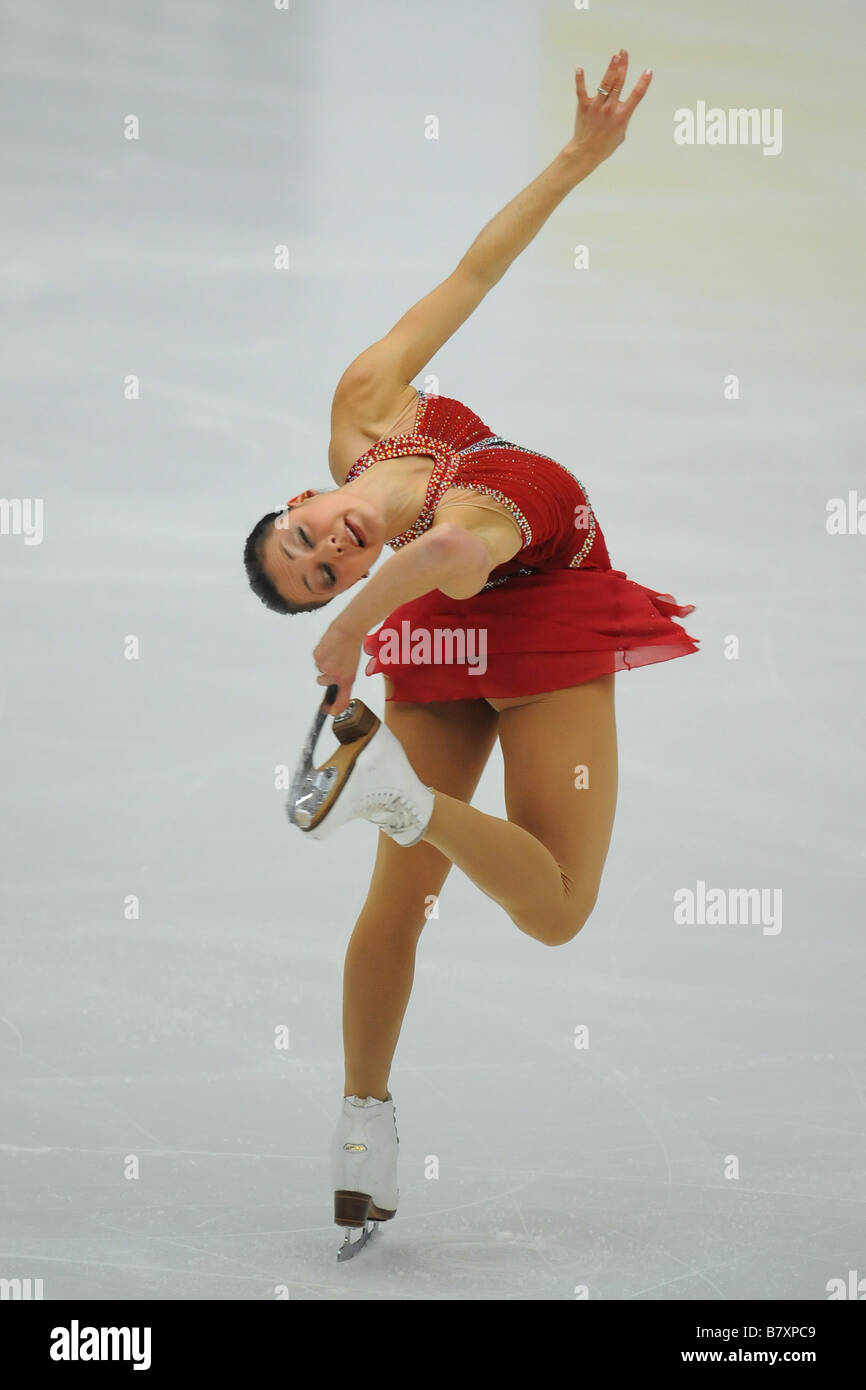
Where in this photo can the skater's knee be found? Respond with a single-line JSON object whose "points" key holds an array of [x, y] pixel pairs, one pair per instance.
{"points": [[560, 924], [561, 932]]}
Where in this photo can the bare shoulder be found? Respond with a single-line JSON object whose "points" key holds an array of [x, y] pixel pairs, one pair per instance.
{"points": [[362, 414]]}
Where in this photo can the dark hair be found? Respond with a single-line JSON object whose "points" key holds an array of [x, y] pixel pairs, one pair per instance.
{"points": [[260, 583]]}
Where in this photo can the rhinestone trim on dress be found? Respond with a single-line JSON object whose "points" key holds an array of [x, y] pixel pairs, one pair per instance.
{"points": [[504, 578], [446, 465], [491, 442], [442, 474], [495, 441]]}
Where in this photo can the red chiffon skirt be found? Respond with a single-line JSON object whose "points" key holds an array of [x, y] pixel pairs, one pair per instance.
{"points": [[535, 633]]}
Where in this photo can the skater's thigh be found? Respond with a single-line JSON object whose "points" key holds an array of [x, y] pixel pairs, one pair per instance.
{"points": [[448, 743], [560, 755]]}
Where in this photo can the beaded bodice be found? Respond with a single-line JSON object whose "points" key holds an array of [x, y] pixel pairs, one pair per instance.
{"points": [[548, 503]]}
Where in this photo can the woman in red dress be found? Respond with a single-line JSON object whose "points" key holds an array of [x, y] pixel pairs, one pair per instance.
{"points": [[498, 616]]}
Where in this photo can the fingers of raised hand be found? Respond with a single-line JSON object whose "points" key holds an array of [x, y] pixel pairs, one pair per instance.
{"points": [[638, 92], [611, 82], [616, 72]]}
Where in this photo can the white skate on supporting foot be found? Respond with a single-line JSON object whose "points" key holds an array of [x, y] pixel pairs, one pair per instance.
{"points": [[364, 1170], [368, 777]]}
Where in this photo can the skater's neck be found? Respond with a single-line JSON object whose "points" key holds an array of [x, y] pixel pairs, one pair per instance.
{"points": [[396, 488]]}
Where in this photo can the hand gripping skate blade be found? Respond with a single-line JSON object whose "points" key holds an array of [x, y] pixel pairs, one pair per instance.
{"points": [[314, 790]]}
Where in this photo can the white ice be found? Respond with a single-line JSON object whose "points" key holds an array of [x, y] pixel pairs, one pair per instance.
{"points": [[600, 1169]]}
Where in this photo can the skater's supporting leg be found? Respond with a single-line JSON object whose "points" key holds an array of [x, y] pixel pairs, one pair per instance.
{"points": [[448, 744], [543, 865]]}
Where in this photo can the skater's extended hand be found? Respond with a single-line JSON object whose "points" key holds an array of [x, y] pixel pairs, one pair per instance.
{"points": [[336, 658], [601, 121]]}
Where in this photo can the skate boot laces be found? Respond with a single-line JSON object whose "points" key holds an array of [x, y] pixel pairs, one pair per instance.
{"points": [[391, 810]]}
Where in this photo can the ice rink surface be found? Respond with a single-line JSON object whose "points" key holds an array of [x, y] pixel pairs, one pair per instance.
{"points": [[606, 1170]]}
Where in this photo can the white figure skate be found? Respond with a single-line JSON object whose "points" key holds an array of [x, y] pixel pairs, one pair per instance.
{"points": [[364, 1169], [368, 777]]}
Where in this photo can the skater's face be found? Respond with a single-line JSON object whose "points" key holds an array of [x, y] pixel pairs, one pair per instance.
{"points": [[323, 545]]}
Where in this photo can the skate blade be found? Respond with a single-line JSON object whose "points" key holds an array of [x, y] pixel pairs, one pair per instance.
{"points": [[304, 769], [314, 790], [355, 1240]]}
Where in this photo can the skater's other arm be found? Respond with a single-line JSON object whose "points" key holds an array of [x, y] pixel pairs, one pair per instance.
{"points": [[454, 559], [448, 557], [368, 388]]}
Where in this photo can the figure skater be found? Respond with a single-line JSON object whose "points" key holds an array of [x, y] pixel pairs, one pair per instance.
{"points": [[499, 616]]}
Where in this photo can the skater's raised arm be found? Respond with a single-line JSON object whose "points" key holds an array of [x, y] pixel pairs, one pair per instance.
{"points": [[367, 388]]}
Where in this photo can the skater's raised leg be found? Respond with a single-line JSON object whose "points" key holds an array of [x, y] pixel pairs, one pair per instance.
{"points": [[544, 864]]}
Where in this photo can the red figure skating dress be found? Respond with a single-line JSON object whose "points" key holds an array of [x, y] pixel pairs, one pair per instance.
{"points": [[555, 615]]}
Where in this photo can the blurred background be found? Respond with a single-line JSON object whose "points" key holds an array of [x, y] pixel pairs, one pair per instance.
{"points": [[608, 1167]]}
